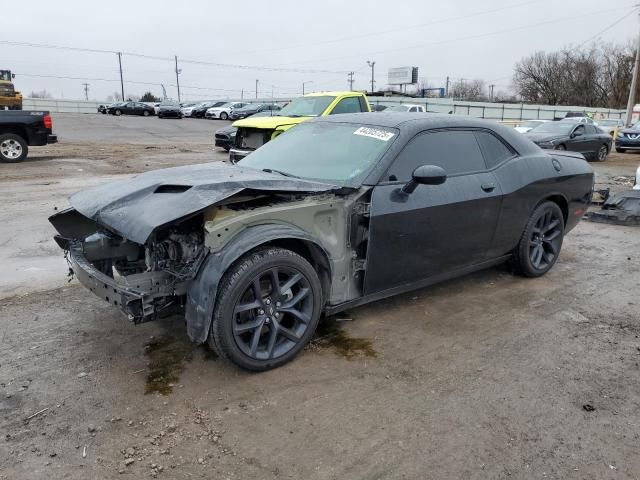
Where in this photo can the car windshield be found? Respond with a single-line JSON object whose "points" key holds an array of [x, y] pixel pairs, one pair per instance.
{"points": [[398, 108], [554, 127], [338, 153], [307, 106]]}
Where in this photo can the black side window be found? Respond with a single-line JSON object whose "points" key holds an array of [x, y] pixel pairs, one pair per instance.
{"points": [[493, 149], [347, 105], [454, 150], [590, 129], [363, 104]]}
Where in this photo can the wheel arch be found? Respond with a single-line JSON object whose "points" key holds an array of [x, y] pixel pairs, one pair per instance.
{"points": [[203, 291], [16, 130], [559, 200]]}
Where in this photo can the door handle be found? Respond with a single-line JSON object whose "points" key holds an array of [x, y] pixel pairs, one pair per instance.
{"points": [[488, 187]]}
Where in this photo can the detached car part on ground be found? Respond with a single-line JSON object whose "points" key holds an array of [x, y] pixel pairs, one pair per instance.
{"points": [[584, 138], [254, 132], [620, 208], [335, 213], [21, 129]]}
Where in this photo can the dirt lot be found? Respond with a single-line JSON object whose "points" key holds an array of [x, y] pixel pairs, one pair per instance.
{"points": [[488, 376]]}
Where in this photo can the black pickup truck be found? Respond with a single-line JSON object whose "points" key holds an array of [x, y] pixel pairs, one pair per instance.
{"points": [[20, 129]]}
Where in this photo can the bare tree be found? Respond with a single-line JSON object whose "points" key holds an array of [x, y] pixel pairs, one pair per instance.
{"points": [[117, 96], [473, 90], [40, 94], [593, 77]]}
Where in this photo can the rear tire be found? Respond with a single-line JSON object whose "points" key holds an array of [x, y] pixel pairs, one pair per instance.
{"points": [[561, 147], [268, 307], [13, 148], [601, 155], [541, 241]]}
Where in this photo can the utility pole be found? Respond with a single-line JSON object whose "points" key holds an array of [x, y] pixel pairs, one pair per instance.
{"points": [[121, 80], [634, 85], [86, 91], [242, 95], [350, 75], [178, 77], [491, 92], [446, 88], [372, 64]]}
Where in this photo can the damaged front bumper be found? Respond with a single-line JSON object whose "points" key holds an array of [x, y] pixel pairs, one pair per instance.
{"points": [[618, 209], [141, 297]]}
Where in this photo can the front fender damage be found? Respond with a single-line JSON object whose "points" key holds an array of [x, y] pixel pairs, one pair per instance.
{"points": [[201, 295]]}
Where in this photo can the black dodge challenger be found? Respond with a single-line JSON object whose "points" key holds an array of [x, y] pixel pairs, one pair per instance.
{"points": [[336, 212]]}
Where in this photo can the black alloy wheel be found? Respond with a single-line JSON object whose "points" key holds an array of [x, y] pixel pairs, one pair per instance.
{"points": [[602, 153], [267, 309], [541, 241]]}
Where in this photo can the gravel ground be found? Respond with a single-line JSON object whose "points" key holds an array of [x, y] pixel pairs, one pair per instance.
{"points": [[487, 376]]}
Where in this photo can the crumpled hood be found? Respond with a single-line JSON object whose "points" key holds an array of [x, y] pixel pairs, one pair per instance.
{"points": [[269, 123], [135, 207], [544, 137]]}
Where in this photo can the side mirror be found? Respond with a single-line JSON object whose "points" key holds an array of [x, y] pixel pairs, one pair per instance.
{"points": [[576, 134], [425, 175]]}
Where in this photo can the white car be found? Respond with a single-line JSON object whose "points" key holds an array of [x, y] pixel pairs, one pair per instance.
{"points": [[187, 109], [222, 112], [529, 125], [405, 108]]}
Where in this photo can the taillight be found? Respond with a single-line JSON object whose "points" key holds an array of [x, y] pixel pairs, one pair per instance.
{"points": [[48, 123]]}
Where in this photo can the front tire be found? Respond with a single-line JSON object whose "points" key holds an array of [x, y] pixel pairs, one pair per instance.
{"points": [[118, 113], [146, 113], [561, 147], [224, 116], [13, 148], [541, 241], [268, 307]]}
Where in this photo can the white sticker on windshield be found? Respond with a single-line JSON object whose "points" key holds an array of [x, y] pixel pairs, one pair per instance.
{"points": [[383, 135]]}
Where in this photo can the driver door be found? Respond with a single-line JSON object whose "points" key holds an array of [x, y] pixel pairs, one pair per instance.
{"points": [[437, 228], [578, 140]]}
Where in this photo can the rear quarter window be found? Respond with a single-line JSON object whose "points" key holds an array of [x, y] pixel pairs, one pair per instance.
{"points": [[494, 150]]}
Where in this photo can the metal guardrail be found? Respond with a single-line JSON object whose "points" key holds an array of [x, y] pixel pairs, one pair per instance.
{"points": [[492, 111]]}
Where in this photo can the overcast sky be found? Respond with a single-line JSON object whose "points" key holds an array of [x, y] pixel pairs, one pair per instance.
{"points": [[460, 38]]}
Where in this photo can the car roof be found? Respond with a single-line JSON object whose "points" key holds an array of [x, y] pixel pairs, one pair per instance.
{"points": [[412, 123], [334, 93]]}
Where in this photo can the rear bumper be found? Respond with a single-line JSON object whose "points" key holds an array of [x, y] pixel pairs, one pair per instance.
{"points": [[52, 138]]}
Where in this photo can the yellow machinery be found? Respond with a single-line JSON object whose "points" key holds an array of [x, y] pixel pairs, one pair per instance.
{"points": [[9, 98]]}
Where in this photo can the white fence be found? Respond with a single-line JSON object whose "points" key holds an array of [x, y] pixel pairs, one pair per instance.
{"points": [[494, 111]]}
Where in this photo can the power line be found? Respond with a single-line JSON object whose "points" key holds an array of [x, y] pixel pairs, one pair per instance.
{"points": [[457, 39], [396, 30], [171, 59], [625, 16]]}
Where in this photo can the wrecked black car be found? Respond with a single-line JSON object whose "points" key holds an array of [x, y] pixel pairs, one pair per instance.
{"points": [[337, 212]]}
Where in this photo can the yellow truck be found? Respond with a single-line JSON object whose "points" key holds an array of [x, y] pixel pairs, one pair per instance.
{"points": [[253, 132], [9, 98]]}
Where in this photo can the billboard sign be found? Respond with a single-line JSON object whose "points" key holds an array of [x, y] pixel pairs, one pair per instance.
{"points": [[403, 75]]}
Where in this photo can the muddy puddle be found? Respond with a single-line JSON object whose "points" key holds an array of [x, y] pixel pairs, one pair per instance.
{"points": [[167, 357], [330, 334]]}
